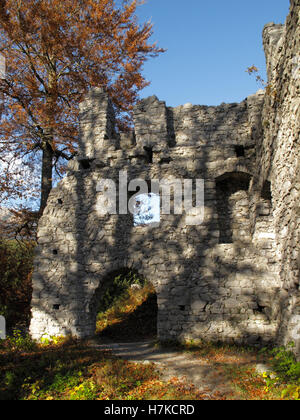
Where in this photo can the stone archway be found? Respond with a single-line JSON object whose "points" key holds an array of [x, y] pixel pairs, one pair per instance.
{"points": [[125, 307]]}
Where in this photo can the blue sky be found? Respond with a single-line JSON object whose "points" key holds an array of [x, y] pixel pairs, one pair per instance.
{"points": [[210, 45]]}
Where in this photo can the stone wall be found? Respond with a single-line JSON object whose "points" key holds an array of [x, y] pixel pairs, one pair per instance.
{"points": [[207, 286], [279, 161], [224, 279]]}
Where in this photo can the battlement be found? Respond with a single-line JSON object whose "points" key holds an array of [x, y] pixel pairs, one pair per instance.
{"points": [[160, 130], [97, 124]]}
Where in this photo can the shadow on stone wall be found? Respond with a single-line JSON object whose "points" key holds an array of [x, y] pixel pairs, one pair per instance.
{"points": [[215, 281], [207, 290]]}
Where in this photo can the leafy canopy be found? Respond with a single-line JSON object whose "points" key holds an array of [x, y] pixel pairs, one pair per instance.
{"points": [[55, 51]]}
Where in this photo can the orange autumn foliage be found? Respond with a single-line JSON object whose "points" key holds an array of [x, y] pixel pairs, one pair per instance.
{"points": [[55, 51]]}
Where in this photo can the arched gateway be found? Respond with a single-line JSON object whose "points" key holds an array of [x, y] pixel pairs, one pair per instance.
{"points": [[206, 287]]}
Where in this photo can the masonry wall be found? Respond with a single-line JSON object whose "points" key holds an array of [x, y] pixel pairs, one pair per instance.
{"points": [[279, 161], [228, 278], [211, 282]]}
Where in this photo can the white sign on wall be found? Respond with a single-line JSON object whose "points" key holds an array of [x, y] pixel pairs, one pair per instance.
{"points": [[2, 328], [2, 66]]}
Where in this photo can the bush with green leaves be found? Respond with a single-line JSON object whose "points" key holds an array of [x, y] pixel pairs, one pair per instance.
{"points": [[116, 285], [285, 364], [16, 265], [18, 342]]}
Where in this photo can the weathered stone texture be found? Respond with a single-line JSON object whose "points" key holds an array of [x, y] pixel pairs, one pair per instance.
{"points": [[279, 160], [235, 277]]}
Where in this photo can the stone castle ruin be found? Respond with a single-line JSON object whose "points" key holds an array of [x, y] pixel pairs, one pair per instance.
{"points": [[235, 276]]}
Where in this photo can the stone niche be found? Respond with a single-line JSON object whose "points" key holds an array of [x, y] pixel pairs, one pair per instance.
{"points": [[233, 207]]}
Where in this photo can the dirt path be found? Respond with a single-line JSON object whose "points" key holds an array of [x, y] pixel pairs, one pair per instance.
{"points": [[172, 363]]}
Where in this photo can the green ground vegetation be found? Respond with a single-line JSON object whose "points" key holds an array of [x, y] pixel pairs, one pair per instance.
{"points": [[68, 369]]}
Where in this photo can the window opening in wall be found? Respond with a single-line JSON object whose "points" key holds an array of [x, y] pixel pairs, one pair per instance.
{"points": [[265, 204], [149, 153], [146, 210], [166, 160], [266, 191], [239, 151], [144, 203], [85, 163], [56, 307]]}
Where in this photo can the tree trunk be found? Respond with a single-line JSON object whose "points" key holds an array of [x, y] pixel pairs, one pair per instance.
{"points": [[47, 143], [47, 166]]}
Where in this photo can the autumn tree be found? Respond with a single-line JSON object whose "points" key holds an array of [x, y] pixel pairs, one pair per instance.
{"points": [[55, 51]]}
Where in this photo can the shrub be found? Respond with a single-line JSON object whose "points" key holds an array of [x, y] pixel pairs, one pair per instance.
{"points": [[117, 285], [18, 342], [16, 265], [284, 363]]}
